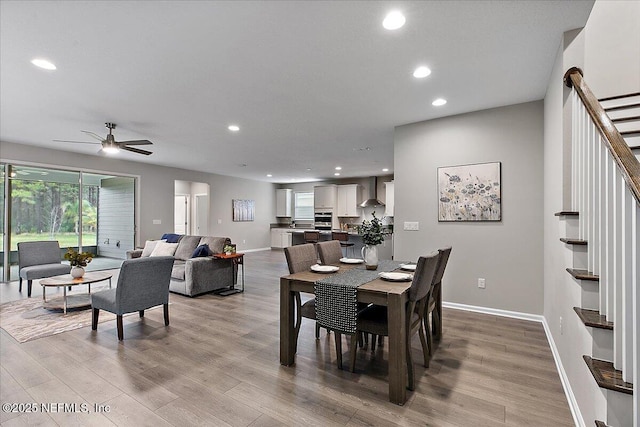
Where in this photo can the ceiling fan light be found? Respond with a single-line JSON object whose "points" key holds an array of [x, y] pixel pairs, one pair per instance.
{"points": [[111, 149]]}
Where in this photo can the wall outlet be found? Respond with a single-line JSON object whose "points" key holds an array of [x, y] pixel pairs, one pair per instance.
{"points": [[411, 226], [219, 221], [157, 222], [244, 241], [481, 283]]}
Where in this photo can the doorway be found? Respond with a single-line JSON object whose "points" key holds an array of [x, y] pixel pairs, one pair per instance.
{"points": [[191, 208]]}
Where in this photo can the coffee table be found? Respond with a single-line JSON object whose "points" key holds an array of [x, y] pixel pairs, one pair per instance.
{"points": [[67, 280]]}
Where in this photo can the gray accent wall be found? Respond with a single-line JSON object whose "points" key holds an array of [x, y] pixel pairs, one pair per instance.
{"points": [[507, 254], [156, 193]]}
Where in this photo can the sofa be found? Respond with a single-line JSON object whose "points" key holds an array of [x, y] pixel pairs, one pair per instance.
{"points": [[193, 276]]}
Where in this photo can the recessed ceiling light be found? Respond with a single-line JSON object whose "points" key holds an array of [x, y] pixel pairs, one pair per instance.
{"points": [[421, 72], [269, 175], [338, 168], [439, 102], [393, 20], [308, 169], [385, 170], [337, 174], [43, 63], [234, 128]]}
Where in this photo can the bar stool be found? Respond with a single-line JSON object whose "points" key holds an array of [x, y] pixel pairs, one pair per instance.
{"points": [[343, 237], [311, 236]]}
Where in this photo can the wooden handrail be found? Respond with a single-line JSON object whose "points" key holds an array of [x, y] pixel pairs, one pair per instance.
{"points": [[624, 158]]}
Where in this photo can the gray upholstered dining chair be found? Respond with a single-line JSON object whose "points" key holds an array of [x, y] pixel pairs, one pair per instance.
{"points": [[330, 252], [343, 238], [375, 320], [142, 283], [434, 306], [301, 258], [37, 260]]}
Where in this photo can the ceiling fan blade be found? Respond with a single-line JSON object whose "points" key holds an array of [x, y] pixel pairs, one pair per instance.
{"points": [[76, 142], [136, 150], [95, 135], [136, 142]]}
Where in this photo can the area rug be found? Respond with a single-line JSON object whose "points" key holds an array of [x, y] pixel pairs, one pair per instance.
{"points": [[26, 320]]}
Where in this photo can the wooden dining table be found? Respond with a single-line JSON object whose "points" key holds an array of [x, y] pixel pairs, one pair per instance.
{"points": [[394, 295]]}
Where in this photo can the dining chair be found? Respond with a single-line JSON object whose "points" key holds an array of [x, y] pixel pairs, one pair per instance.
{"points": [[311, 236], [434, 307], [301, 258], [375, 320], [142, 283], [330, 252], [343, 238]]}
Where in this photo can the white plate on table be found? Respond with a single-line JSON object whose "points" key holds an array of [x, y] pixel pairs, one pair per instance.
{"points": [[324, 268], [410, 267], [351, 260], [395, 277]]}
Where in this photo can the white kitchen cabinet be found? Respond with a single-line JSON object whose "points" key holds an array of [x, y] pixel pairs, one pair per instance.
{"points": [[324, 196], [348, 201], [389, 205], [280, 238], [283, 202]]}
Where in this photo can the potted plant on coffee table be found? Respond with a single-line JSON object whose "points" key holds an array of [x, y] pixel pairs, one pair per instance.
{"points": [[78, 261]]}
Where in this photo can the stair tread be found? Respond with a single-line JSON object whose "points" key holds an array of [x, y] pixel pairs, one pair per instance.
{"points": [[572, 241], [583, 274], [625, 119], [593, 318], [607, 376], [567, 213], [622, 107], [600, 424], [626, 95], [630, 132]]}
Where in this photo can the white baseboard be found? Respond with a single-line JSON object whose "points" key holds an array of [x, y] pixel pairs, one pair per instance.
{"points": [[571, 398], [255, 250]]}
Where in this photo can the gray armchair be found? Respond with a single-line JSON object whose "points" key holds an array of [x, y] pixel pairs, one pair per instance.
{"points": [[37, 260], [143, 283]]}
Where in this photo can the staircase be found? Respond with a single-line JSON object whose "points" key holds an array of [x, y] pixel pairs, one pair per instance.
{"points": [[603, 234]]}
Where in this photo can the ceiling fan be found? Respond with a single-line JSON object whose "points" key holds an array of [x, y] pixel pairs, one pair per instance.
{"points": [[110, 145]]}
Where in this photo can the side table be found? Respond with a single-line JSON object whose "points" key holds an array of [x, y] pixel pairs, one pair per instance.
{"points": [[237, 259]]}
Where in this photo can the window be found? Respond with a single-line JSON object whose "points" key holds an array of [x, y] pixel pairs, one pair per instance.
{"points": [[303, 205]]}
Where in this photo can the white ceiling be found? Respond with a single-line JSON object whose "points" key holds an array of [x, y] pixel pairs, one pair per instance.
{"points": [[311, 84]]}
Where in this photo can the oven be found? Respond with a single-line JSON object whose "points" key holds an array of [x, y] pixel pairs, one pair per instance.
{"points": [[323, 220]]}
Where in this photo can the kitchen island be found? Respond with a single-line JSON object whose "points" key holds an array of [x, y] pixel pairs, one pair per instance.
{"points": [[385, 250]]}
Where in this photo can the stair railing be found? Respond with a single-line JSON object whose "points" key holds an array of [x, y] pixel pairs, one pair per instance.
{"points": [[606, 193]]}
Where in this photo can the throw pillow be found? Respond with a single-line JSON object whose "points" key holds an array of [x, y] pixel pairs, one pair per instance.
{"points": [[164, 249], [201, 251], [171, 238], [148, 247]]}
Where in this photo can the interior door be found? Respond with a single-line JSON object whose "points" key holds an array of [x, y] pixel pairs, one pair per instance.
{"points": [[181, 214], [202, 215]]}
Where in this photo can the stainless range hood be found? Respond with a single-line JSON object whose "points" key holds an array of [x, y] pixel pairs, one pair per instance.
{"points": [[372, 201]]}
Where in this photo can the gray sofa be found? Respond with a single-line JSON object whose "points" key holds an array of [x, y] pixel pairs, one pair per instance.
{"points": [[195, 276]]}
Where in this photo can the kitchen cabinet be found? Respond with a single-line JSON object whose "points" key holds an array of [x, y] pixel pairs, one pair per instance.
{"points": [[324, 196], [347, 205], [389, 205], [283, 202], [280, 238]]}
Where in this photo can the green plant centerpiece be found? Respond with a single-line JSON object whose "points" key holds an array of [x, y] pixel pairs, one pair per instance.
{"points": [[372, 233], [229, 249], [78, 261]]}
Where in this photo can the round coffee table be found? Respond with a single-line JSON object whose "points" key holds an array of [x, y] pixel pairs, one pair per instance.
{"points": [[67, 280]]}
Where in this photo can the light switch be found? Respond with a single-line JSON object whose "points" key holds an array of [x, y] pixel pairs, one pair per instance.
{"points": [[157, 222], [411, 226], [219, 221]]}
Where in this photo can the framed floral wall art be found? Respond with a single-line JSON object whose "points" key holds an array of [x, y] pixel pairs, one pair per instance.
{"points": [[470, 192]]}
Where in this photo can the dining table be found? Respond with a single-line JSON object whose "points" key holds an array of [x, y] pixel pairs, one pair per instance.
{"points": [[394, 295]]}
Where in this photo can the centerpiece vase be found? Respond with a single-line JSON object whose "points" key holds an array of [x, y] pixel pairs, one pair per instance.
{"points": [[77, 272], [370, 256]]}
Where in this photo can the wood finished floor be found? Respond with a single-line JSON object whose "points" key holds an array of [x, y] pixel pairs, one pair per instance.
{"points": [[217, 364]]}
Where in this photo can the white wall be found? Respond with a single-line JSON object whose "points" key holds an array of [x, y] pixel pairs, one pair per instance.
{"points": [[508, 254], [156, 193]]}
